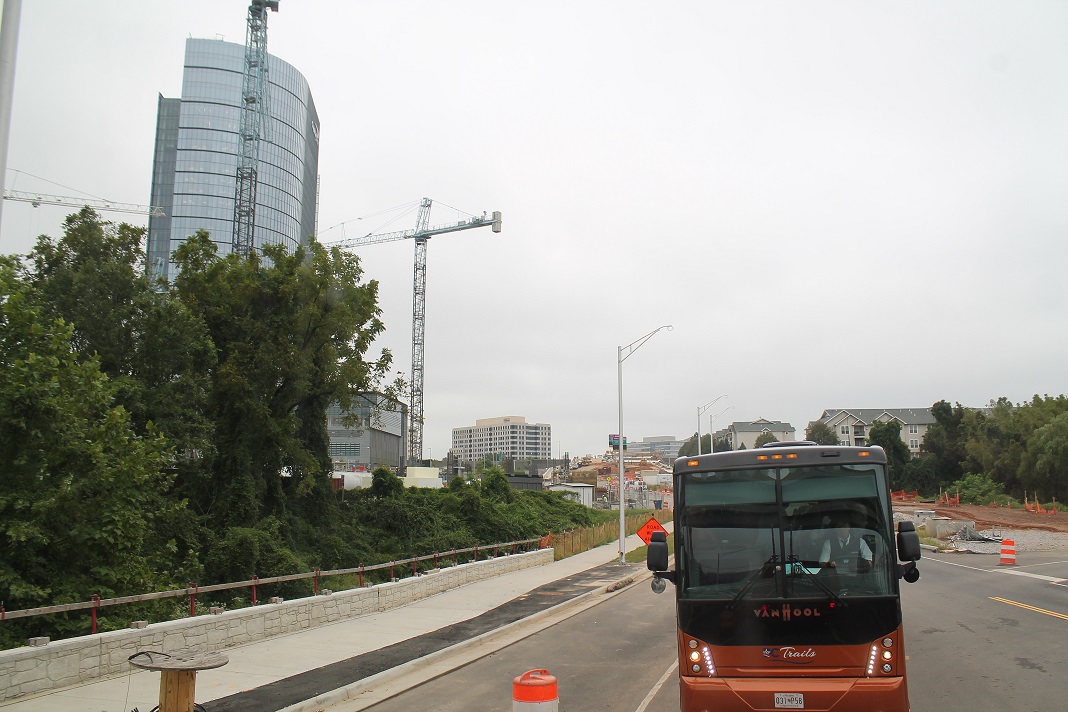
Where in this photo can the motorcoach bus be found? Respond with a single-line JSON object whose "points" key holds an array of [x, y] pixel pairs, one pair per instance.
{"points": [[787, 580]]}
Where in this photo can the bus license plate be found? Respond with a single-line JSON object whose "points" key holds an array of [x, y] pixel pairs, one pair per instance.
{"points": [[789, 700]]}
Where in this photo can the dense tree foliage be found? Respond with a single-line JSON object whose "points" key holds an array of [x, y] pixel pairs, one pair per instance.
{"points": [[154, 434], [1018, 447], [888, 436], [83, 492], [689, 448]]}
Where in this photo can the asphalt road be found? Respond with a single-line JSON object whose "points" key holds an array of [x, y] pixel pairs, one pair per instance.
{"points": [[977, 638], [608, 657], [983, 637]]}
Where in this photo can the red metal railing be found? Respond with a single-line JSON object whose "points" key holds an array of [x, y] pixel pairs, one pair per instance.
{"points": [[95, 603]]}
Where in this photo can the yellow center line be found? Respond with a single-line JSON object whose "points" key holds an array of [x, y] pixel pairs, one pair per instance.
{"points": [[1062, 616]]}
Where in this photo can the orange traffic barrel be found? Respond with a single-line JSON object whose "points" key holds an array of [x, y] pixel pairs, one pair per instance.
{"points": [[1008, 553], [535, 691]]}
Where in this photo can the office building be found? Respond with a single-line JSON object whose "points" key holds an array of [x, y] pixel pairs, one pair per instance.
{"points": [[370, 434], [509, 437], [194, 172]]}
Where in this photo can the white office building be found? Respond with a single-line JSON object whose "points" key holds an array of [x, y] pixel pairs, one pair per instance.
{"points": [[508, 437]]}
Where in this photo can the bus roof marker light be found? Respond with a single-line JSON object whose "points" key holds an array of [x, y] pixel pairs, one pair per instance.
{"points": [[692, 463], [864, 453], [761, 457], [791, 456]]}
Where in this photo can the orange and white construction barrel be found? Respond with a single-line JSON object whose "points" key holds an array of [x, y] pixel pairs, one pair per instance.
{"points": [[1008, 553], [535, 691]]}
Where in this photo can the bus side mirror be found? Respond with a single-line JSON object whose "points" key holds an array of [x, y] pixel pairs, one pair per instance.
{"points": [[908, 542], [908, 550], [656, 559]]}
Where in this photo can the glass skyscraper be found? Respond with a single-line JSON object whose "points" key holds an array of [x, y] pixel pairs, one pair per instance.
{"points": [[194, 170]]}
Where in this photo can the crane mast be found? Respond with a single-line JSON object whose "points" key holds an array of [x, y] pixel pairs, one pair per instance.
{"points": [[421, 234], [254, 112]]}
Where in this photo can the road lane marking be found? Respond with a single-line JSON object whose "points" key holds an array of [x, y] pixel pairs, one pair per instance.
{"points": [[1013, 572], [1030, 608], [656, 688]]}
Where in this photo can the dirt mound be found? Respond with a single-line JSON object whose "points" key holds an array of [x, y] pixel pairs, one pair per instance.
{"points": [[986, 517]]}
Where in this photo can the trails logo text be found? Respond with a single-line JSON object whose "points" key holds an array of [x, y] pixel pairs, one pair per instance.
{"points": [[790, 654]]}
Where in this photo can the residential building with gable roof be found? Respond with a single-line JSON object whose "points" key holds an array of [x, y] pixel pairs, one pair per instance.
{"points": [[853, 426], [743, 435]]}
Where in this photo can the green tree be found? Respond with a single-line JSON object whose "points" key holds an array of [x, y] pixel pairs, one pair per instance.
{"points": [[156, 353], [945, 441], [1044, 467], [384, 484], [689, 448], [976, 489], [888, 436], [291, 332], [765, 438], [919, 475], [821, 433], [495, 485], [81, 488], [723, 445]]}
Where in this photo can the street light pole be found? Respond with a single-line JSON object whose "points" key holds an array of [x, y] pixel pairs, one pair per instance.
{"points": [[620, 358], [700, 412], [712, 430]]}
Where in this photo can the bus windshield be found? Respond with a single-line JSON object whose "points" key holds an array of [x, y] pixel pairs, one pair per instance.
{"points": [[809, 532]]}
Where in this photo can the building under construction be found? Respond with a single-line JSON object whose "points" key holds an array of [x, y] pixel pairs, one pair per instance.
{"points": [[206, 143]]}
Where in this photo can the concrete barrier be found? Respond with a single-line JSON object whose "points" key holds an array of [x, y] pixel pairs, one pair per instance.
{"points": [[29, 670]]}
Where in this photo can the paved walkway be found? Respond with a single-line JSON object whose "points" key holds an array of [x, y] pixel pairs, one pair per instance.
{"points": [[355, 663]]}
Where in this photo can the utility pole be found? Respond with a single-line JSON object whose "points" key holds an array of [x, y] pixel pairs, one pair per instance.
{"points": [[9, 44]]}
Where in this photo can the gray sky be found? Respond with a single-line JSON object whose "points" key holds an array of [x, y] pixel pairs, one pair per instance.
{"points": [[835, 204]]}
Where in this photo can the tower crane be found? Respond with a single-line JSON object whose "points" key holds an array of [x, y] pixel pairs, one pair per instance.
{"points": [[421, 234], [38, 199], [254, 112]]}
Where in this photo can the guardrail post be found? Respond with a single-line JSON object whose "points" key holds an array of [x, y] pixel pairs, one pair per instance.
{"points": [[435, 561], [192, 599], [454, 557], [96, 605], [476, 553], [415, 567], [255, 578], [315, 582], [391, 576]]}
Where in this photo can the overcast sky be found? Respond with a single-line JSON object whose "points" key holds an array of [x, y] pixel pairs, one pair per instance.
{"points": [[835, 204]]}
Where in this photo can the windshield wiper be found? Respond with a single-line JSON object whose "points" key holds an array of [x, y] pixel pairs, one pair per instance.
{"points": [[794, 563], [766, 567]]}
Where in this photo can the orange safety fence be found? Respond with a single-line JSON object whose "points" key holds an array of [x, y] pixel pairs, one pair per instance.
{"points": [[945, 500], [903, 496]]}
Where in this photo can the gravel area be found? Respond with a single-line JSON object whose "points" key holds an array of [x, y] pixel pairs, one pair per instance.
{"points": [[1025, 540]]}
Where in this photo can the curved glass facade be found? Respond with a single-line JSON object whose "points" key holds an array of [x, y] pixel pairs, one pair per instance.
{"points": [[198, 147]]}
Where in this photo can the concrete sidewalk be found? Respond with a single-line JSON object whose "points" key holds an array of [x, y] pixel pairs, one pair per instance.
{"points": [[360, 661]]}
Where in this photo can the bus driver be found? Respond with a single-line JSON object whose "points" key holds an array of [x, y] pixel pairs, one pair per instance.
{"points": [[845, 552]]}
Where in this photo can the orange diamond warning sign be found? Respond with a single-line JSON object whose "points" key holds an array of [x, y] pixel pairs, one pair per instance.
{"points": [[646, 530]]}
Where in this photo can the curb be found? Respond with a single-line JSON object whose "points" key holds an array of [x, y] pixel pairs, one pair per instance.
{"points": [[455, 656]]}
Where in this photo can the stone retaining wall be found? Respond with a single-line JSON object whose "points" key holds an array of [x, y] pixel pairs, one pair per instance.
{"points": [[28, 670]]}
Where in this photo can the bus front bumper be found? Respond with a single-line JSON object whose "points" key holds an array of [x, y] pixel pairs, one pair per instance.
{"points": [[829, 694]]}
